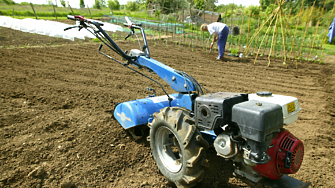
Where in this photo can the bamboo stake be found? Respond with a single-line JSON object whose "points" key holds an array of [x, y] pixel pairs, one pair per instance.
{"points": [[225, 16], [259, 17], [231, 23], [248, 29], [259, 30], [266, 44], [239, 40], [316, 30], [295, 32], [303, 40], [275, 30], [275, 42], [283, 36], [266, 33], [327, 31], [287, 27]]}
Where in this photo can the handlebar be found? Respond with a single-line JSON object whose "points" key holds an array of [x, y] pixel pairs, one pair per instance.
{"points": [[82, 18], [138, 25], [112, 44]]}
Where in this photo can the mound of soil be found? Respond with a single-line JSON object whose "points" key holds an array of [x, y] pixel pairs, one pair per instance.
{"points": [[56, 107]]}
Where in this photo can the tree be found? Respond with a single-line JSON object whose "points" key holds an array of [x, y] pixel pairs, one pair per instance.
{"points": [[62, 2], [97, 4], [132, 5], [113, 4], [82, 4]]}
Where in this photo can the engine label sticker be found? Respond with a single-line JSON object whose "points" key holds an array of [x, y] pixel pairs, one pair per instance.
{"points": [[290, 107], [160, 98]]}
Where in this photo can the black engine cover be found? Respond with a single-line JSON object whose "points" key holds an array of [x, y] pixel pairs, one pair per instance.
{"points": [[257, 120], [214, 109]]}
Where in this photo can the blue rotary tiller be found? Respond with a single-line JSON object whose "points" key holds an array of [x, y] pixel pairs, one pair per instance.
{"points": [[245, 128]]}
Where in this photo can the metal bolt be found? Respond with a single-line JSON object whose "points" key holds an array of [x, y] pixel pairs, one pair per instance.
{"points": [[223, 144], [279, 150], [259, 104], [185, 86], [173, 78]]}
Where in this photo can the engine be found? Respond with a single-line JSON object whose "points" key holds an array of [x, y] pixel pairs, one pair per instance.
{"points": [[250, 132]]}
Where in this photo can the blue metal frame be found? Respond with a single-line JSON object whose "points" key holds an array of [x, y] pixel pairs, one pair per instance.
{"points": [[168, 74]]}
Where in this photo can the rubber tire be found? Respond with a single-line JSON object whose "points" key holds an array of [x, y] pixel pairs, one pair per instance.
{"points": [[191, 144]]}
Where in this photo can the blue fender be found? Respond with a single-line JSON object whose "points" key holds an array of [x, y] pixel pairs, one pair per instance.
{"points": [[138, 112]]}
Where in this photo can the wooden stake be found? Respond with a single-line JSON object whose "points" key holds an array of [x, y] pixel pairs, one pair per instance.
{"points": [[309, 18], [259, 17], [212, 14], [275, 31], [248, 29], [71, 10], [32, 6], [239, 40], [287, 26], [266, 33], [283, 36], [266, 44], [316, 30], [54, 11], [273, 14], [326, 32], [295, 32], [231, 24]]}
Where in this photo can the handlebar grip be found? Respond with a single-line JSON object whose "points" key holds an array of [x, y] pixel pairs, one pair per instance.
{"points": [[70, 17]]}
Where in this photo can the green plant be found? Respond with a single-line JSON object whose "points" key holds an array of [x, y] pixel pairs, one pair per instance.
{"points": [[233, 51]]}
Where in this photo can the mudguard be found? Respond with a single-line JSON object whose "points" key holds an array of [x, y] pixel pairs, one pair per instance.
{"points": [[138, 112]]}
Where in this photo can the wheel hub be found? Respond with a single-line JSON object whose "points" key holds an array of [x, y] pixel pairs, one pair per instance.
{"points": [[168, 148]]}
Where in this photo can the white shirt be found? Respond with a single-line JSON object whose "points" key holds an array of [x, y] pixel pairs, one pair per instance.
{"points": [[215, 27]]}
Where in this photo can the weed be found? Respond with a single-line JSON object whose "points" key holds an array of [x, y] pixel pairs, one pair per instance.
{"points": [[95, 40]]}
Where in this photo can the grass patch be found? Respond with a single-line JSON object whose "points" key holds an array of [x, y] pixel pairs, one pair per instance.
{"points": [[329, 49]]}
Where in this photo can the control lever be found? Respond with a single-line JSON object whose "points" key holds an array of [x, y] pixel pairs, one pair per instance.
{"points": [[70, 27], [130, 34]]}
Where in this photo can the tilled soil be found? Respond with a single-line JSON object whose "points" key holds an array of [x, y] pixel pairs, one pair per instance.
{"points": [[56, 122]]}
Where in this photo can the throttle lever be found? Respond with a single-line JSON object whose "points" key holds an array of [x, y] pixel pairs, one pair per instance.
{"points": [[70, 27], [130, 34], [127, 36]]}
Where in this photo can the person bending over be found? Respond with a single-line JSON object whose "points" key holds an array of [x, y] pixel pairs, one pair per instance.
{"points": [[220, 33]]}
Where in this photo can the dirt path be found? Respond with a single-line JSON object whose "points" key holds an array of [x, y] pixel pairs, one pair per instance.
{"points": [[56, 103]]}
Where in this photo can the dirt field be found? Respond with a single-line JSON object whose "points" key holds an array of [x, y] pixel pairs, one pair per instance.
{"points": [[56, 105]]}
